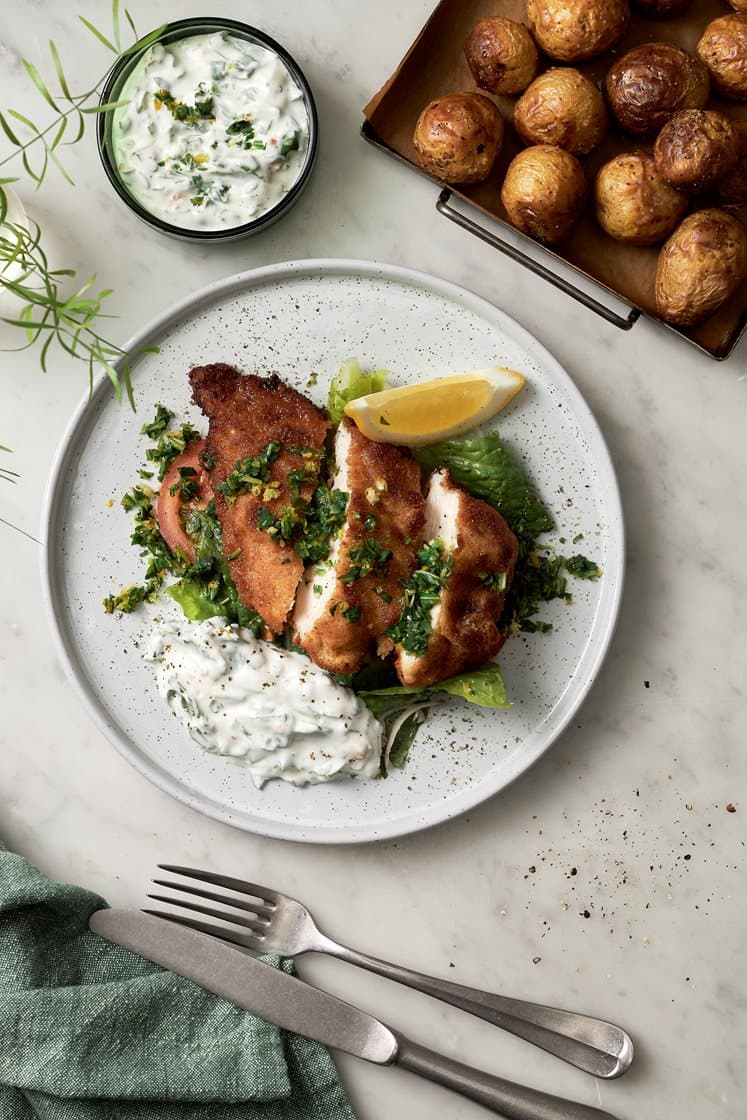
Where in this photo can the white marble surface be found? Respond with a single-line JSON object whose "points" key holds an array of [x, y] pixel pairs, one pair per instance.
{"points": [[633, 797]]}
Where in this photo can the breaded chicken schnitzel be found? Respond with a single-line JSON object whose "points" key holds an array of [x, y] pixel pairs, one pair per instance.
{"points": [[263, 452]]}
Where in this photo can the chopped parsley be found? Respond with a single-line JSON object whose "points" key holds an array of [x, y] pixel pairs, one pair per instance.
{"points": [[159, 423], [206, 588], [422, 593], [186, 484], [349, 611], [365, 558], [251, 474], [540, 577], [170, 445], [147, 537], [324, 519]]}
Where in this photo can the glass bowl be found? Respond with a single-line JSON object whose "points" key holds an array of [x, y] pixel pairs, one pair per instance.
{"points": [[121, 71]]}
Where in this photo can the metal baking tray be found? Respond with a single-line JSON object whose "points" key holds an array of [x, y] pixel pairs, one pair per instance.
{"points": [[434, 65]]}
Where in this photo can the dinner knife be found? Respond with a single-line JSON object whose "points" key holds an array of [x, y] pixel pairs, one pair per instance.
{"points": [[295, 1006]]}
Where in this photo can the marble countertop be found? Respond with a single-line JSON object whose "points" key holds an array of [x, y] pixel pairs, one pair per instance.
{"points": [[608, 879]]}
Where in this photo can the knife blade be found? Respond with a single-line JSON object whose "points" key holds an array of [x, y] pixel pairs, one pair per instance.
{"points": [[296, 1006], [249, 983]]}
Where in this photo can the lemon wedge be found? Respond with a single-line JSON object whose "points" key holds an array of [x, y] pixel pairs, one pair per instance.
{"points": [[437, 409]]}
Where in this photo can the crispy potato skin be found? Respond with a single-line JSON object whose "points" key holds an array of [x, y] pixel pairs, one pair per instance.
{"points": [[723, 49], [572, 30], [694, 149], [544, 192], [700, 266], [732, 189], [502, 55], [632, 201], [562, 107], [663, 8], [650, 83], [458, 137]]}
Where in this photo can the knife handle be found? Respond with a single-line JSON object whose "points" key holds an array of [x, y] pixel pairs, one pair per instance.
{"points": [[514, 1102], [592, 1045]]}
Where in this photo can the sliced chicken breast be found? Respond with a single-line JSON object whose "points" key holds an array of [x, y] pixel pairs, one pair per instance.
{"points": [[346, 603], [249, 415], [470, 573]]}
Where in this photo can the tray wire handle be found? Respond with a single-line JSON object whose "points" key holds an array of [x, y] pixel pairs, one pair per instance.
{"points": [[624, 322]]}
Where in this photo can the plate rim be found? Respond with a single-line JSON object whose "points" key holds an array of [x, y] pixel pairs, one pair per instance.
{"points": [[438, 812]]}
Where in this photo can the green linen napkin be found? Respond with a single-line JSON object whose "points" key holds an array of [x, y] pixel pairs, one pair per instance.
{"points": [[90, 1031]]}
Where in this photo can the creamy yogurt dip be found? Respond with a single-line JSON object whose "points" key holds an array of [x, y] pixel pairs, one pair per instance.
{"points": [[214, 133], [243, 697]]}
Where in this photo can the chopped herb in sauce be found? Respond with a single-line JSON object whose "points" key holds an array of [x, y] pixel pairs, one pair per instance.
{"points": [[202, 110]]}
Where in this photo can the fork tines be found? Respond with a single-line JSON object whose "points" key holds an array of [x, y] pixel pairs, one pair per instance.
{"points": [[253, 917]]}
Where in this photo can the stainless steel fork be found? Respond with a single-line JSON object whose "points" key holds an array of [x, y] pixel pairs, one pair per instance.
{"points": [[272, 922]]}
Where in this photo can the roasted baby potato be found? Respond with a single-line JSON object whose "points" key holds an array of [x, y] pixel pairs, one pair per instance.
{"points": [[544, 192], [700, 266], [632, 201], [562, 107], [502, 55], [458, 137], [651, 82], [572, 30], [694, 149], [723, 49], [732, 188], [663, 7]]}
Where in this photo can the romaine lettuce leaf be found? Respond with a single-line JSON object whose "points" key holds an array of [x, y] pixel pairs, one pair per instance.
{"points": [[193, 601], [483, 686], [485, 468], [351, 383]]}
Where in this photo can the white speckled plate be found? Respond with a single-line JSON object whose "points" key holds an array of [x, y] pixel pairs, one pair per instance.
{"points": [[297, 318]]}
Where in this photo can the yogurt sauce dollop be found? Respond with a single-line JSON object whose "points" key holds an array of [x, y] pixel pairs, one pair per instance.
{"points": [[240, 696], [214, 133]]}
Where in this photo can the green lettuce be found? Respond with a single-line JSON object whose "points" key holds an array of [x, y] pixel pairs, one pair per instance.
{"points": [[483, 686], [485, 468], [351, 383]]}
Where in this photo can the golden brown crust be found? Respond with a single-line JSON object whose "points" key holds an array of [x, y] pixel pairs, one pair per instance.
{"points": [[694, 149], [572, 30], [246, 413], [651, 82], [723, 49], [383, 483], [633, 203], [562, 107], [700, 266], [732, 188], [467, 634], [458, 137], [502, 55], [544, 192]]}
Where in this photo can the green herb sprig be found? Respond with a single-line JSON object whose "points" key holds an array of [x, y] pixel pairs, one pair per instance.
{"points": [[49, 316]]}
